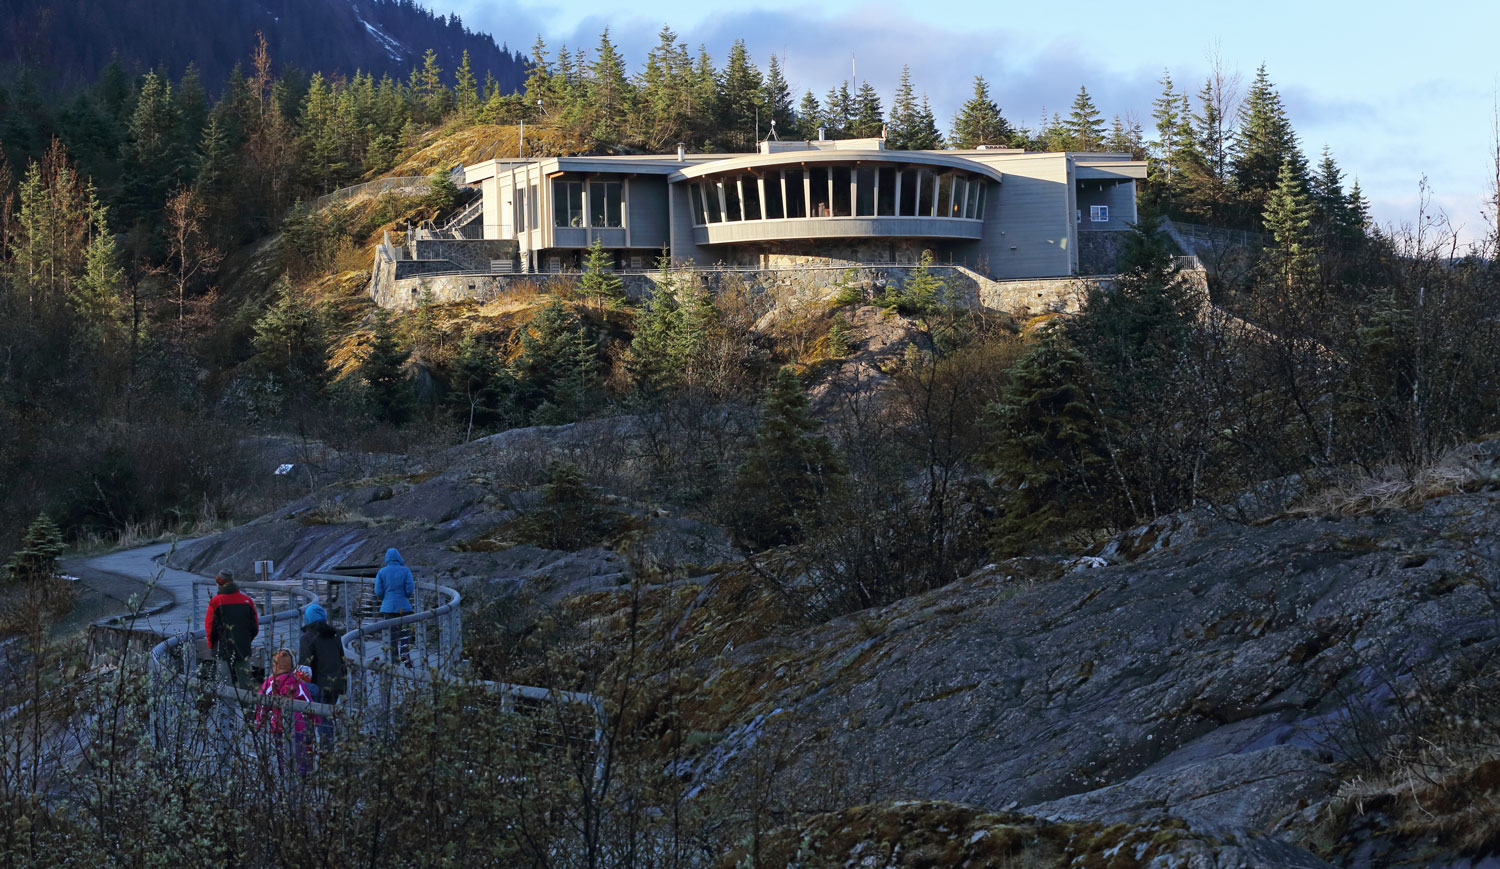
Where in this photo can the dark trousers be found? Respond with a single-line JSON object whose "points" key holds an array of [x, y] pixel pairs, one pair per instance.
{"points": [[399, 637]]}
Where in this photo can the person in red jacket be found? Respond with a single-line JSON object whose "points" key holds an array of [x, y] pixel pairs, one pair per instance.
{"points": [[231, 626]]}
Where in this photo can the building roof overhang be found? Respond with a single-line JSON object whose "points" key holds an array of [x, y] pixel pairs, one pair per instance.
{"points": [[752, 162]]}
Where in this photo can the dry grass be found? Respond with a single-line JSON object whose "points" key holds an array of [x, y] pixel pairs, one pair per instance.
{"points": [[442, 149], [1459, 470]]}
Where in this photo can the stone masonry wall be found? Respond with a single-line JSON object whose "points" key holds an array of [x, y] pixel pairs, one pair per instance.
{"points": [[1099, 252]]}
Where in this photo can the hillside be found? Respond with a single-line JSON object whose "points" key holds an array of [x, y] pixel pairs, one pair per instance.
{"points": [[70, 41]]}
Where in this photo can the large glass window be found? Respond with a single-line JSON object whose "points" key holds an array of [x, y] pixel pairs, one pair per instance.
{"points": [[604, 204], [775, 208], [927, 194], [910, 179], [567, 203], [695, 197], [979, 203], [975, 185], [534, 201], [819, 206], [960, 196], [885, 205], [731, 199], [796, 195], [750, 195], [944, 195], [711, 199], [521, 209], [864, 194], [841, 189]]}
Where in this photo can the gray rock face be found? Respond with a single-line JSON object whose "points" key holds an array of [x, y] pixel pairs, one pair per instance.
{"points": [[1215, 679]]}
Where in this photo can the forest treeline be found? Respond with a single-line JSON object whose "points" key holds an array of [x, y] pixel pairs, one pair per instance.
{"points": [[120, 202]]}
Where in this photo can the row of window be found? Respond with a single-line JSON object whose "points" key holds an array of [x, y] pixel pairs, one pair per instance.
{"points": [[838, 191], [605, 208]]}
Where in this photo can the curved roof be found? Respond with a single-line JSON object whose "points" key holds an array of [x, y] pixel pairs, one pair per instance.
{"points": [[746, 162]]}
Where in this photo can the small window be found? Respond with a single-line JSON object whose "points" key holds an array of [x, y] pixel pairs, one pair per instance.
{"points": [[1099, 213], [636, 263], [521, 210], [534, 202]]}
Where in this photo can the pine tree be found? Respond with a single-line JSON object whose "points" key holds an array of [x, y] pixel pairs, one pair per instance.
{"points": [[476, 384], [1164, 175], [465, 90], [1288, 220], [153, 157], [869, 117], [291, 342], [1085, 125], [809, 117], [838, 112], [649, 360], [979, 121], [1264, 143], [611, 98], [39, 554], [739, 105], [432, 95], [903, 118], [599, 281], [556, 370], [387, 389], [665, 93], [1050, 453], [776, 97], [788, 474], [539, 86], [1334, 221], [924, 134]]}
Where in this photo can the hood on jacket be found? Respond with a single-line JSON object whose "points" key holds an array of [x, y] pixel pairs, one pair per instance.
{"points": [[313, 613], [393, 557]]}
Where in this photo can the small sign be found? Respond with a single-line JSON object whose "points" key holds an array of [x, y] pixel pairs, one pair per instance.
{"points": [[283, 470], [264, 569]]}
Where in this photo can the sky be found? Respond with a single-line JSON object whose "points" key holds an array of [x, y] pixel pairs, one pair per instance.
{"points": [[1398, 91]]}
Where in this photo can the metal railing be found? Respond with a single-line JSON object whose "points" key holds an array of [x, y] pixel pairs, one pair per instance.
{"points": [[377, 682]]}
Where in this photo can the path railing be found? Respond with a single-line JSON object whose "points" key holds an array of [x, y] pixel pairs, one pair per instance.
{"points": [[378, 680]]}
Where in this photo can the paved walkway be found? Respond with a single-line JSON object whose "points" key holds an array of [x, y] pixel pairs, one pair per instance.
{"points": [[141, 565]]}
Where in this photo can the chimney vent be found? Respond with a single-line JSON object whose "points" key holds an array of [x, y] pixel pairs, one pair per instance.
{"points": [[681, 152], [820, 134]]}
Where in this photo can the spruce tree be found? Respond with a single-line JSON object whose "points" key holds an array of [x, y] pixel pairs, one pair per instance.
{"points": [[611, 97], [649, 360], [475, 397], [838, 112], [1264, 143], [1288, 220], [789, 473], [979, 121], [740, 100], [387, 388], [291, 342], [903, 116], [776, 97], [465, 90], [924, 135], [37, 558], [599, 281], [555, 372], [1085, 126], [809, 117], [1050, 451], [869, 118]]}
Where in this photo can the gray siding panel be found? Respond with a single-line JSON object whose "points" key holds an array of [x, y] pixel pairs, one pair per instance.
{"points": [[1027, 221], [648, 213]]}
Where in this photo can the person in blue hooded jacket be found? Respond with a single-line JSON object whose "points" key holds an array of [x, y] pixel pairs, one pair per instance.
{"points": [[395, 588]]}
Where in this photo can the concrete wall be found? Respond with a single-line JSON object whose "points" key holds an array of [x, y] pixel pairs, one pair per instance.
{"points": [[1099, 252]]}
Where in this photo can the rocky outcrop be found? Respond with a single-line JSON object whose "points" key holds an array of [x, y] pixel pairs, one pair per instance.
{"points": [[1224, 677]]}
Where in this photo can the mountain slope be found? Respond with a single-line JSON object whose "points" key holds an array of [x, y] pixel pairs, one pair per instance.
{"points": [[70, 41]]}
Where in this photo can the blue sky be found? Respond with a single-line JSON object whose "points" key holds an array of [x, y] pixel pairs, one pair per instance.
{"points": [[1396, 90]]}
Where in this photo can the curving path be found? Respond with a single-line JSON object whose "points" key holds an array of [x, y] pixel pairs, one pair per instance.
{"points": [[142, 565]]}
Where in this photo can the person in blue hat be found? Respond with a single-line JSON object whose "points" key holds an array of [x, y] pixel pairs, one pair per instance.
{"points": [[395, 588]]}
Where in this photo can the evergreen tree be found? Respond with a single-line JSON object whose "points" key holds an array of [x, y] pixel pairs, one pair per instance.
{"points": [[1264, 143], [1335, 221], [838, 112], [666, 100], [1050, 452], [611, 98], [1289, 221], [38, 558], [739, 103], [433, 97], [979, 121], [190, 104], [903, 118], [649, 360], [539, 85], [556, 371], [924, 135], [869, 117], [465, 90], [599, 281], [789, 472], [383, 370], [476, 391], [1359, 210], [153, 158], [776, 97], [1084, 125], [291, 341], [809, 117], [703, 91]]}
